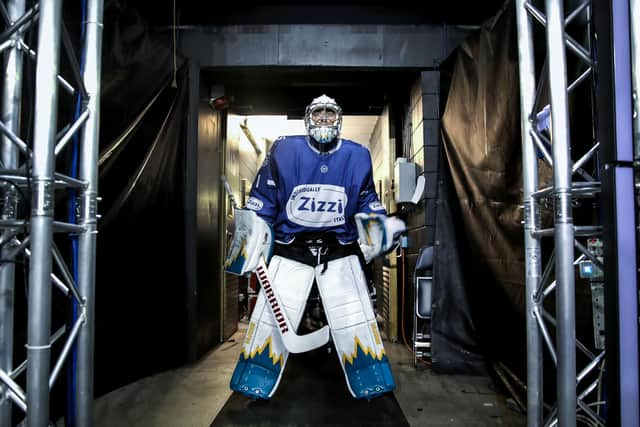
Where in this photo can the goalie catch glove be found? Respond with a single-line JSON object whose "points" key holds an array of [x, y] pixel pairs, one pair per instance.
{"points": [[378, 234], [252, 239]]}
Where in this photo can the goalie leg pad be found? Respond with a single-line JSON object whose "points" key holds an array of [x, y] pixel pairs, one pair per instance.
{"points": [[354, 329], [263, 358]]}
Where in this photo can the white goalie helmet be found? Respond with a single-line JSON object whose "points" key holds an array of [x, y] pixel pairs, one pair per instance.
{"points": [[323, 119]]}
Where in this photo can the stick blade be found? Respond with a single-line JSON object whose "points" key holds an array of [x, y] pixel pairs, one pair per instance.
{"points": [[303, 343]]}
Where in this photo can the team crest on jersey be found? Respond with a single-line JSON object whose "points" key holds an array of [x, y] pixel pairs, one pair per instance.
{"points": [[317, 205], [376, 206], [254, 204]]}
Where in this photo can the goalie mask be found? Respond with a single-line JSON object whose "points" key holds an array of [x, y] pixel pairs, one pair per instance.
{"points": [[323, 120]]}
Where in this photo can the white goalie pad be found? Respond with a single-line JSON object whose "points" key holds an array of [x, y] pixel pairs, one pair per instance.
{"points": [[377, 234], [354, 329], [252, 240], [264, 354]]}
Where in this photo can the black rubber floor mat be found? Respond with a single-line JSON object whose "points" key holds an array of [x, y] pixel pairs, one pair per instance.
{"points": [[312, 392]]}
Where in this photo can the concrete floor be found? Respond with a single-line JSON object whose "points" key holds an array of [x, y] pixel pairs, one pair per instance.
{"points": [[192, 396], [429, 399]]}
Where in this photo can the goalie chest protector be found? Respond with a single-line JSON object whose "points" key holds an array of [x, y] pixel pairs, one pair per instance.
{"points": [[300, 190]]}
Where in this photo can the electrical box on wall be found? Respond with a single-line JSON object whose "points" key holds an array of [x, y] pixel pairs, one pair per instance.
{"points": [[404, 175]]}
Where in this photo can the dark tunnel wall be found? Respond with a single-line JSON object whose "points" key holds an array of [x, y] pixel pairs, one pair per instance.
{"points": [[158, 274], [140, 305], [141, 313], [210, 135]]}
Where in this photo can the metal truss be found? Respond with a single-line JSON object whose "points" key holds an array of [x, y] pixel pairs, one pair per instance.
{"points": [[547, 143], [29, 186]]}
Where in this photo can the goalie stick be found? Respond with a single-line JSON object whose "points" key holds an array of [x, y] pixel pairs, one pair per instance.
{"points": [[292, 342]]}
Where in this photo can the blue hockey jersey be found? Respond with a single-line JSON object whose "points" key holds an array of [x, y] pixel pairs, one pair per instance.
{"points": [[298, 189]]}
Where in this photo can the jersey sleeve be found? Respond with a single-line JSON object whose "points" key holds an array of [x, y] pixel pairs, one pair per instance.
{"points": [[368, 201], [263, 197]]}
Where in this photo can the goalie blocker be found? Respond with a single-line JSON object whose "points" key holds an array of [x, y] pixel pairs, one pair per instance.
{"points": [[378, 234], [252, 240]]}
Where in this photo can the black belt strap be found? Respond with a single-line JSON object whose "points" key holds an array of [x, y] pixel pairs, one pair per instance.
{"points": [[314, 250]]}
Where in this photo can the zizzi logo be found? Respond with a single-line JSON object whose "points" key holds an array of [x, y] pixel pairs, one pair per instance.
{"points": [[318, 205], [310, 204]]}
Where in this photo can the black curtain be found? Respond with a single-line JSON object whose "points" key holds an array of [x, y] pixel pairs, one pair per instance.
{"points": [[140, 279], [479, 256], [479, 264]]}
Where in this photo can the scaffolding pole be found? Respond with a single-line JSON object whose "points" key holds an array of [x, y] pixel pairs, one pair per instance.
{"points": [[11, 111], [531, 215], [88, 213], [563, 219], [41, 223], [546, 136], [29, 169]]}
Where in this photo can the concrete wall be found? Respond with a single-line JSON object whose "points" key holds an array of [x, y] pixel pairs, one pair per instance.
{"points": [[204, 163], [421, 145], [423, 150], [382, 148]]}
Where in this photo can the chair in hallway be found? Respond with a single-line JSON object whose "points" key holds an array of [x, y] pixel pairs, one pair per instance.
{"points": [[423, 280]]}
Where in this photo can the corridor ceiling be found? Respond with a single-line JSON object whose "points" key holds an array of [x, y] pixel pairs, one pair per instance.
{"points": [[287, 91], [452, 12]]}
